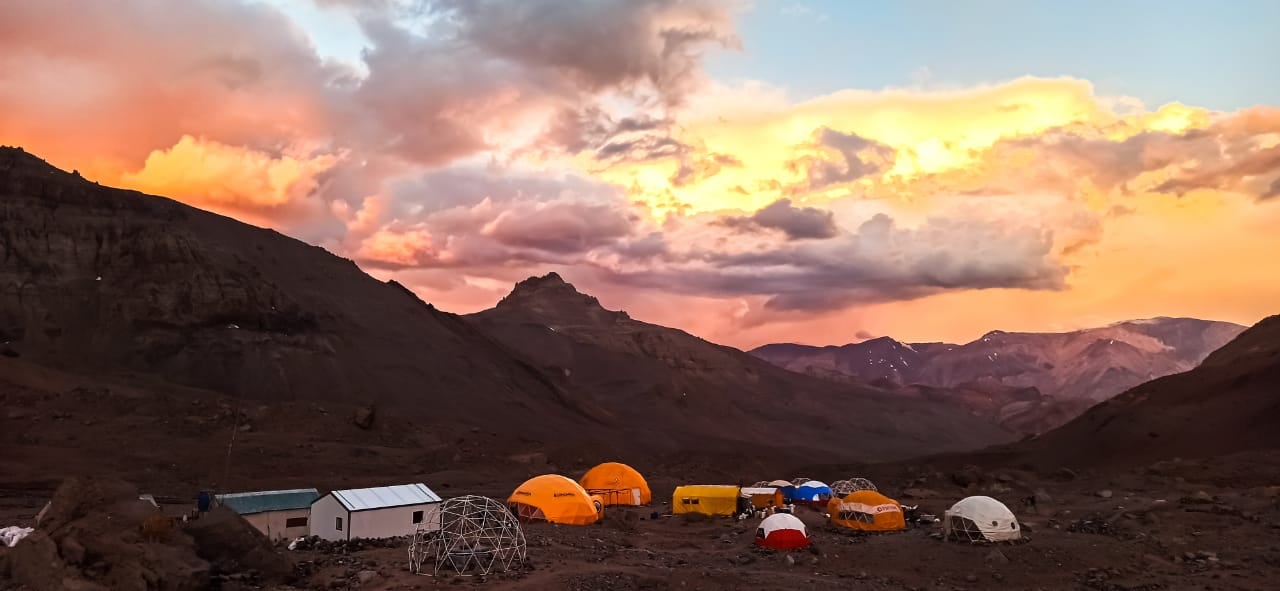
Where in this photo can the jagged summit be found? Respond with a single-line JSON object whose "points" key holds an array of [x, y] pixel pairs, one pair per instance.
{"points": [[553, 300]]}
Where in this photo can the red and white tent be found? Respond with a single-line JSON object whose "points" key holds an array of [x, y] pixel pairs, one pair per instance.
{"points": [[782, 531]]}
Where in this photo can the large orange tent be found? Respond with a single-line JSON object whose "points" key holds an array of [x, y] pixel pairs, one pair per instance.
{"points": [[617, 484], [867, 510], [554, 498]]}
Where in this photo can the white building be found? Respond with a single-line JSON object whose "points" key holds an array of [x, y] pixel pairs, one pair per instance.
{"points": [[380, 512], [278, 514]]}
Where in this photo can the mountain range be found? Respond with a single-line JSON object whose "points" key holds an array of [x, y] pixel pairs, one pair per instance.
{"points": [[1032, 381], [114, 286], [1229, 403], [114, 283]]}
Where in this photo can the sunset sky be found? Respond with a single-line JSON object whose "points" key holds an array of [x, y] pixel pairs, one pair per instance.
{"points": [[749, 171]]}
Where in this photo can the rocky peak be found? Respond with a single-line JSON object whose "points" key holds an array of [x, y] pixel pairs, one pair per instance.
{"points": [[551, 299]]}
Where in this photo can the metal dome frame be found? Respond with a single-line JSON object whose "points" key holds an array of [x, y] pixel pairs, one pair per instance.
{"points": [[848, 486], [476, 536]]}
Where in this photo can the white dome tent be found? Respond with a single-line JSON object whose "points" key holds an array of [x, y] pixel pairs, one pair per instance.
{"points": [[980, 519]]}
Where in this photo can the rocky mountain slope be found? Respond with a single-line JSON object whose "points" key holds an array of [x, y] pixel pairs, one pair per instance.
{"points": [[1071, 370], [107, 282], [1229, 403], [654, 375], [146, 293]]}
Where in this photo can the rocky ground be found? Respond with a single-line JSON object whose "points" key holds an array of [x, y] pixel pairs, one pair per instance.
{"points": [[1173, 525], [1194, 524]]}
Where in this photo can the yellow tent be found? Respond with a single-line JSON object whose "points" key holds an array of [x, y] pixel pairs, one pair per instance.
{"points": [[705, 499], [554, 498], [866, 510], [618, 484], [762, 497]]}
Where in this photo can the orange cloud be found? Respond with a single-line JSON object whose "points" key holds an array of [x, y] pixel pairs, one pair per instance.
{"points": [[229, 179], [408, 248]]}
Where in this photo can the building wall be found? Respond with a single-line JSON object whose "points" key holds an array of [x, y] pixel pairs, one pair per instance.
{"points": [[323, 513], [393, 522], [272, 523]]}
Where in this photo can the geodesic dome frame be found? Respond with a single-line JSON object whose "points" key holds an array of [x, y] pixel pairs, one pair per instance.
{"points": [[799, 480], [477, 536], [842, 488]]}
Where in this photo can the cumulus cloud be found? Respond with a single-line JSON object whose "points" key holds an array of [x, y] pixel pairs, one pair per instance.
{"points": [[796, 222], [230, 179], [559, 227], [844, 157], [599, 44], [1238, 152], [879, 262]]}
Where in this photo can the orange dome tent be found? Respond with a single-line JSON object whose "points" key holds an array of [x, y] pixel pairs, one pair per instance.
{"points": [[617, 484], [867, 510], [554, 498]]}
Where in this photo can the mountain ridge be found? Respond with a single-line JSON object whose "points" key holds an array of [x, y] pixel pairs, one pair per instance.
{"points": [[615, 356], [1076, 368]]}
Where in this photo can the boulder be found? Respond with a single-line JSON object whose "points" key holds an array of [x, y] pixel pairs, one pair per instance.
{"points": [[363, 417]]}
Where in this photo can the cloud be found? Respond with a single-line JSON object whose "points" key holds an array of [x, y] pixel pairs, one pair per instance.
{"points": [[559, 227], [864, 335], [797, 223], [848, 157], [698, 168], [230, 179], [599, 45], [481, 141], [879, 262]]}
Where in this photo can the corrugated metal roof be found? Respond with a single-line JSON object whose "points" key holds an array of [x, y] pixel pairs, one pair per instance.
{"points": [[381, 497], [248, 503]]}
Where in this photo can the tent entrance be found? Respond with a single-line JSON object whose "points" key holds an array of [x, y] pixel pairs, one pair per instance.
{"points": [[528, 513], [617, 496]]}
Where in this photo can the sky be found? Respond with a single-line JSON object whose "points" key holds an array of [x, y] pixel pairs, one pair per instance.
{"points": [[749, 171]]}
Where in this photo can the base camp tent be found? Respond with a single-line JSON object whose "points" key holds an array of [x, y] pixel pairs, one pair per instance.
{"points": [[764, 496], [813, 491], [617, 484], [977, 519], [867, 510], [554, 498], [788, 489], [782, 531], [707, 499]]}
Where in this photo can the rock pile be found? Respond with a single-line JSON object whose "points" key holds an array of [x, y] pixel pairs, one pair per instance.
{"points": [[92, 538]]}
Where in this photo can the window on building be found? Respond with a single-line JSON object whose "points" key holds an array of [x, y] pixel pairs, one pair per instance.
{"points": [[417, 516], [295, 522], [337, 523]]}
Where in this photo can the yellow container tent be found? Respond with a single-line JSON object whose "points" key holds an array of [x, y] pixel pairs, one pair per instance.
{"points": [[867, 510], [617, 484], [554, 498], [707, 499], [764, 496]]}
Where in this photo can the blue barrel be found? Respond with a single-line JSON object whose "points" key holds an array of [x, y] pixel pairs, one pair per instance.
{"points": [[203, 501]]}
